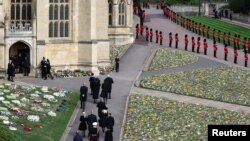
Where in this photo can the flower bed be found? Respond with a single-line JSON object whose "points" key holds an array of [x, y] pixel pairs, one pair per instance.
{"points": [[157, 119], [167, 58], [36, 110], [222, 84]]}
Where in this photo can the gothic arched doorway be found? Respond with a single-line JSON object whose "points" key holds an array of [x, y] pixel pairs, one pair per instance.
{"points": [[18, 52]]}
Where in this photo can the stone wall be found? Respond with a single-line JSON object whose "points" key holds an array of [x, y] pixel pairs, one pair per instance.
{"points": [[187, 10]]}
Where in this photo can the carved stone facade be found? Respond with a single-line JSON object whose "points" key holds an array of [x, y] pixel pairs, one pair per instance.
{"points": [[72, 33]]}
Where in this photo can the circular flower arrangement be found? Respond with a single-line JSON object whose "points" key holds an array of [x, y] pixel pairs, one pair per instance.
{"points": [[226, 84], [158, 119], [33, 118], [167, 58]]}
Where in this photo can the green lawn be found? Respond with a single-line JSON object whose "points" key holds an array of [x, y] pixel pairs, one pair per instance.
{"points": [[62, 104], [223, 27], [225, 84], [158, 119], [168, 58]]}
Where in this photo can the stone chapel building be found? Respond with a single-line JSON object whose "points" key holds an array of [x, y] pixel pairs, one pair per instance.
{"points": [[72, 33]]}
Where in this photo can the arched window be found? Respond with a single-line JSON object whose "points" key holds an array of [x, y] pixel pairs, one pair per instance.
{"points": [[110, 11], [122, 13], [21, 11], [59, 17]]}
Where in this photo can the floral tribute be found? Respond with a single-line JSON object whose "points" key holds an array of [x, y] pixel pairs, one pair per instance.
{"points": [[158, 119], [167, 58], [227, 84], [23, 108]]}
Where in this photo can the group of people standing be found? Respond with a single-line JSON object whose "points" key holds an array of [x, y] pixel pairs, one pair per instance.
{"points": [[196, 44], [18, 65], [46, 69], [90, 122]]}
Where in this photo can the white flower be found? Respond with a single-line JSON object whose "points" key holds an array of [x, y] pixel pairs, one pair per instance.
{"points": [[7, 84], [50, 98], [6, 122], [6, 91], [1, 86], [59, 94], [3, 109], [12, 128], [5, 113], [24, 99], [34, 95], [17, 102], [37, 109], [44, 89], [5, 102], [1, 98], [14, 117], [44, 104], [4, 118], [11, 97], [33, 118], [1, 93], [51, 113]]}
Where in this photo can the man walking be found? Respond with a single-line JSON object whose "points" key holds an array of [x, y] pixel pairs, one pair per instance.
{"points": [[109, 82], [83, 95], [110, 122]]}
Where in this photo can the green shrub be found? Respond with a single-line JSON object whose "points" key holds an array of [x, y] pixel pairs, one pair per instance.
{"points": [[6, 135]]}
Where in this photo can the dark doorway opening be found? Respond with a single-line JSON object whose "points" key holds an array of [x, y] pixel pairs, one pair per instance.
{"points": [[17, 53]]}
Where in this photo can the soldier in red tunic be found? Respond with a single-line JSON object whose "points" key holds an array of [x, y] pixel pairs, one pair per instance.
{"points": [[224, 38], [229, 38], [245, 44], [235, 41], [176, 40], [156, 36], [205, 46], [198, 44], [248, 45], [137, 31], [246, 58], [193, 44], [219, 36], [215, 49], [170, 39], [214, 31], [151, 34], [142, 28], [147, 34], [203, 30], [225, 52], [208, 31], [186, 41], [161, 38], [235, 55], [238, 42]]}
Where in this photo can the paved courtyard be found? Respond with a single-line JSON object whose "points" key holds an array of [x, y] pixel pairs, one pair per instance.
{"points": [[131, 67]]}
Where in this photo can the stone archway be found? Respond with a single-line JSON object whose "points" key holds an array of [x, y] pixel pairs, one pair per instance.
{"points": [[18, 52]]}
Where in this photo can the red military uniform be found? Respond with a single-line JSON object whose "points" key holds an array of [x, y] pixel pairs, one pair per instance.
{"points": [[214, 35], [176, 41], [147, 35], [215, 50], [235, 56], [235, 42], [246, 59], [238, 42], [193, 45], [161, 38], [228, 39], [245, 44], [224, 39], [170, 40], [157, 36], [142, 29], [198, 46], [205, 48], [219, 37], [151, 35], [226, 52], [248, 46], [186, 42]]}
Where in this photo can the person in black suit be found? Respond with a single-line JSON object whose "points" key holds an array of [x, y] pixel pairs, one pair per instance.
{"points": [[83, 95]]}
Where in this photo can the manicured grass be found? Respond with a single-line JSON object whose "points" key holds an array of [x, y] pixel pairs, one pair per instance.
{"points": [[61, 104], [223, 27], [168, 58], [53, 128], [158, 119], [225, 84]]}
